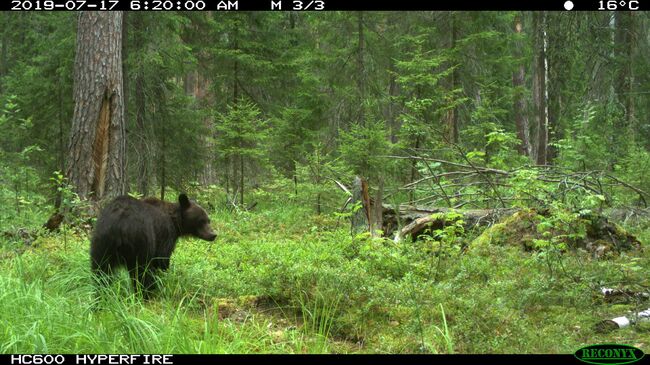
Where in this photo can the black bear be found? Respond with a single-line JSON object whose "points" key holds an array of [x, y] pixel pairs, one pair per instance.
{"points": [[141, 235]]}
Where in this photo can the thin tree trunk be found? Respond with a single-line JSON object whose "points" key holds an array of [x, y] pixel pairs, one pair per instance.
{"points": [[294, 42], [360, 220], [163, 176], [241, 179], [97, 146], [4, 51], [392, 91], [141, 111], [159, 114], [58, 195], [361, 76], [161, 117], [413, 169], [227, 177], [238, 181], [318, 182], [452, 114], [518, 82], [624, 48], [541, 94]]}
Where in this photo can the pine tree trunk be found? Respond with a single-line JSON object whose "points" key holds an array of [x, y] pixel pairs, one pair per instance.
{"points": [[58, 197], [518, 83], [140, 111], [392, 115], [238, 181], [541, 92], [452, 114], [161, 117], [624, 47], [241, 179], [361, 68], [360, 221], [4, 51], [293, 165], [97, 145], [414, 169], [125, 78]]}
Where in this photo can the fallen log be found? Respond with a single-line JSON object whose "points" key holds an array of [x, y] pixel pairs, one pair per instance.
{"points": [[506, 225], [416, 219]]}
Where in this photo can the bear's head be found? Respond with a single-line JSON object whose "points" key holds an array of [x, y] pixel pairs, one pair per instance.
{"points": [[195, 220]]}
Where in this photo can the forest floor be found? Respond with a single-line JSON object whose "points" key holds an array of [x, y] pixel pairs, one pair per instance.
{"points": [[283, 280]]}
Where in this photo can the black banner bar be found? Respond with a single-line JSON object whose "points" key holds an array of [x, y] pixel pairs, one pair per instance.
{"points": [[322, 5], [152, 359]]}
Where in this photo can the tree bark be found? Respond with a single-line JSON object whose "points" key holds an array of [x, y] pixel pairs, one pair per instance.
{"points": [[360, 217], [377, 211], [241, 178], [392, 113], [361, 68], [518, 82], [624, 48], [58, 195], [541, 90], [4, 50], [414, 169], [161, 117], [452, 114], [125, 78], [238, 171], [143, 167], [560, 33], [97, 145]]}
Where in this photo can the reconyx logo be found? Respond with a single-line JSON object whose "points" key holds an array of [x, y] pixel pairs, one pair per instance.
{"points": [[609, 354]]}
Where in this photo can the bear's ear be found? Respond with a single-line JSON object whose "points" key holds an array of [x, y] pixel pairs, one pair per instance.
{"points": [[184, 201]]}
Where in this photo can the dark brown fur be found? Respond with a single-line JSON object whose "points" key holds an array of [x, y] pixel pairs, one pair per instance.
{"points": [[141, 235]]}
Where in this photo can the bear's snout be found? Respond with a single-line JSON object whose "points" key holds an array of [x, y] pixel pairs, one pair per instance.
{"points": [[207, 234]]}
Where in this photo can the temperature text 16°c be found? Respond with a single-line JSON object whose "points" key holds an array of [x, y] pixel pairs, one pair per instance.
{"points": [[618, 5]]}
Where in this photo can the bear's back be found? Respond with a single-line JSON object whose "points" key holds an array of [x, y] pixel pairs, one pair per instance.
{"points": [[137, 226]]}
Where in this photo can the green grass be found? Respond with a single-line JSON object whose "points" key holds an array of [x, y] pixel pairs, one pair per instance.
{"points": [[282, 280]]}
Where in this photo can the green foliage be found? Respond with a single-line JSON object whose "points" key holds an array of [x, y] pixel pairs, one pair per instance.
{"points": [[585, 146], [316, 178], [290, 138], [36, 74], [498, 148], [445, 242], [426, 99], [17, 171], [182, 126], [240, 135], [241, 131], [634, 167], [526, 187], [319, 314], [362, 149]]}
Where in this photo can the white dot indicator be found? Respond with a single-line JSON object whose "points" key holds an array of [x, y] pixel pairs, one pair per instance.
{"points": [[568, 5]]}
